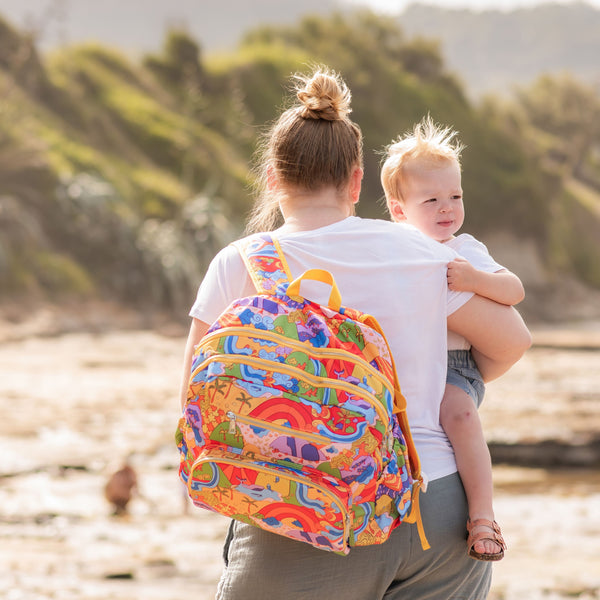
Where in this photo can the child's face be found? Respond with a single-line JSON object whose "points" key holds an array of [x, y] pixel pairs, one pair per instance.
{"points": [[432, 200]]}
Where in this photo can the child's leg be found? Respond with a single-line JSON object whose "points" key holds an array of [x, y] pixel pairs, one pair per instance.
{"points": [[460, 420]]}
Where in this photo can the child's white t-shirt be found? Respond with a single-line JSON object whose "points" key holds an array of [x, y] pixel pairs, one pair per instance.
{"points": [[478, 255], [389, 270]]}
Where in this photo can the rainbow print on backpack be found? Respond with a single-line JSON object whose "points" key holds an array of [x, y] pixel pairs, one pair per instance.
{"points": [[294, 421]]}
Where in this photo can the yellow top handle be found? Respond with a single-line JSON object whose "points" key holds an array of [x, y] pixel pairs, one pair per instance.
{"points": [[335, 298]]}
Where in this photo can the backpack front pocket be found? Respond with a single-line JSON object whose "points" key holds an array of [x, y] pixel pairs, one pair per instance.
{"points": [[300, 503], [282, 412]]}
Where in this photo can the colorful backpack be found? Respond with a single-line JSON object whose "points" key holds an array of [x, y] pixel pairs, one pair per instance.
{"points": [[294, 421]]}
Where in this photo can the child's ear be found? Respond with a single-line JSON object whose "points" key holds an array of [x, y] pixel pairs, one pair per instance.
{"points": [[396, 210]]}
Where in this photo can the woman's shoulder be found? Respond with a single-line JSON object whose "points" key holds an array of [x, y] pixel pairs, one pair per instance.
{"points": [[226, 260], [404, 240], [226, 253], [383, 227]]}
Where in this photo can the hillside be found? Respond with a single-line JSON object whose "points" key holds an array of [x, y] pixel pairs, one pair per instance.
{"points": [[120, 178], [489, 50], [492, 51], [141, 24]]}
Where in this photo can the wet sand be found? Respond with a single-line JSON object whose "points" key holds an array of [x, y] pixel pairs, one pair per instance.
{"points": [[75, 406]]}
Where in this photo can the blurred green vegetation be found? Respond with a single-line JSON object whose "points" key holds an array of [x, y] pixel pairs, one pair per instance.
{"points": [[122, 179]]}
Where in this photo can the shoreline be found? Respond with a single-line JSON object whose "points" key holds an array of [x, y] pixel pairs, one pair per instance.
{"points": [[76, 405], [22, 320]]}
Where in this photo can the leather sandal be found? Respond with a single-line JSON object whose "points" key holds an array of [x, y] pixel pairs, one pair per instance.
{"points": [[484, 529]]}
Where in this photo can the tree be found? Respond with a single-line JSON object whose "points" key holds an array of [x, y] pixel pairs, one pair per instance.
{"points": [[569, 111]]}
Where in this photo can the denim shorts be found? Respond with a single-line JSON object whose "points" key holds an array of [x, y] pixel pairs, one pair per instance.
{"points": [[464, 374]]}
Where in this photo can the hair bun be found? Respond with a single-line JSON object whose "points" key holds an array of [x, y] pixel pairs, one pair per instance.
{"points": [[323, 96]]}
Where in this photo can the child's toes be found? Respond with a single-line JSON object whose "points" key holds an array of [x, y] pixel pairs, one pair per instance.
{"points": [[487, 547], [485, 540]]}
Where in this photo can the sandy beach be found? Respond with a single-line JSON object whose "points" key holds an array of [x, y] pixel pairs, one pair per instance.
{"points": [[77, 404]]}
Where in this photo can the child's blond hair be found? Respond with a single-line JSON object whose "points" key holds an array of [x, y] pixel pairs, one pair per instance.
{"points": [[428, 143]]}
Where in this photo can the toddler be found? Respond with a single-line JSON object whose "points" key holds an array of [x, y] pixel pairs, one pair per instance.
{"points": [[421, 177]]}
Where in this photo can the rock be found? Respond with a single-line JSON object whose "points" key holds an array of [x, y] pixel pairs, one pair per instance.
{"points": [[547, 454], [120, 488]]}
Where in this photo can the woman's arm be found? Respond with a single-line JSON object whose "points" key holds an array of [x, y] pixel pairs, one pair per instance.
{"points": [[502, 286], [497, 333], [197, 330]]}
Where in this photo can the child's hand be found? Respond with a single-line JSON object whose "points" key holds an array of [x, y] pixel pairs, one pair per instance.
{"points": [[462, 275]]}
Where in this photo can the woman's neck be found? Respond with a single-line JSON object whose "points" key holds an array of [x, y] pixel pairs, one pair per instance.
{"points": [[312, 210]]}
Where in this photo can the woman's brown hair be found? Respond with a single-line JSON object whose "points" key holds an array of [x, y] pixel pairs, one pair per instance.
{"points": [[312, 145]]}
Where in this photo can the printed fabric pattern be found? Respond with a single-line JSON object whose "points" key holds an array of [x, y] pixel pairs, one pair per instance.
{"points": [[294, 421]]}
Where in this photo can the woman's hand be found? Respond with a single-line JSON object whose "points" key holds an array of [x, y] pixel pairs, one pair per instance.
{"points": [[497, 333]]}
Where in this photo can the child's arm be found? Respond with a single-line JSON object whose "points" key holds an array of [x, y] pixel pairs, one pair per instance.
{"points": [[503, 286]]}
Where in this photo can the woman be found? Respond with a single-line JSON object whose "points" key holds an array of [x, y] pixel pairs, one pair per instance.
{"points": [[311, 174]]}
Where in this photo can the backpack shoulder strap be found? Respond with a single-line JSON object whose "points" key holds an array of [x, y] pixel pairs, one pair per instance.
{"points": [[265, 262]]}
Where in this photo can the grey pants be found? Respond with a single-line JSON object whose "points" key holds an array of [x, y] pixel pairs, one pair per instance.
{"points": [[263, 565]]}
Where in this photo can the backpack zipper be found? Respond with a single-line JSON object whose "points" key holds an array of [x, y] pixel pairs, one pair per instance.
{"points": [[283, 473], [313, 437], [277, 338], [386, 444], [298, 373]]}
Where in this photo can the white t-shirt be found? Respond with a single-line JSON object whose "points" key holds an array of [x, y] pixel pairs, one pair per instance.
{"points": [[477, 254], [390, 271]]}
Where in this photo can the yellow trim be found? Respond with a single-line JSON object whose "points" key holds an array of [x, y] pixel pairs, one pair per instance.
{"points": [[316, 380], [282, 258], [241, 246], [313, 437], [399, 405], [335, 298], [256, 280], [302, 347], [415, 514]]}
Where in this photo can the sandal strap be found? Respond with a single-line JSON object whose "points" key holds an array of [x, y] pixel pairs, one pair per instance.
{"points": [[493, 532]]}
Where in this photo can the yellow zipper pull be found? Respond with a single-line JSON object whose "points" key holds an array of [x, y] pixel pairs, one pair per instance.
{"points": [[231, 416]]}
